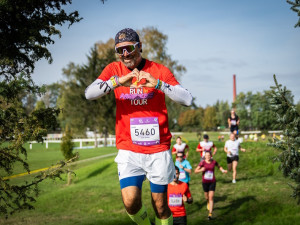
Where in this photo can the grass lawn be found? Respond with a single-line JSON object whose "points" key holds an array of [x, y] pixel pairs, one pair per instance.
{"points": [[260, 196]]}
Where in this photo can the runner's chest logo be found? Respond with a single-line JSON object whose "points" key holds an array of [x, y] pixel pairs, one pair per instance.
{"points": [[138, 96]]}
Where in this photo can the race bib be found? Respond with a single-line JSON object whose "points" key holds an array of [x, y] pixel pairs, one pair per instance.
{"points": [[233, 122], [175, 200], [144, 131], [182, 175], [208, 175]]}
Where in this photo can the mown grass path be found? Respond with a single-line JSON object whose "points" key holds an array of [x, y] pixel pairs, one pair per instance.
{"points": [[260, 196]]}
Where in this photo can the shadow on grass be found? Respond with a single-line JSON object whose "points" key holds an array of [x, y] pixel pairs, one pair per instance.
{"points": [[96, 172], [100, 170]]}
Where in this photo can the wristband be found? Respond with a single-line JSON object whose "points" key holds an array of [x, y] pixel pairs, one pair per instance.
{"points": [[157, 85], [115, 81]]}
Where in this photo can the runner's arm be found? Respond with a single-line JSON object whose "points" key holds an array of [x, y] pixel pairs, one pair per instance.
{"points": [[187, 151], [221, 168], [187, 170], [199, 169], [229, 122], [177, 93], [242, 149], [98, 89], [215, 150]]}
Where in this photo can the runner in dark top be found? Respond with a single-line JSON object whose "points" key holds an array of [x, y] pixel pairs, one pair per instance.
{"points": [[233, 123]]}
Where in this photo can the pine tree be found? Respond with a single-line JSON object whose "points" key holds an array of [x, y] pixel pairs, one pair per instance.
{"points": [[296, 8], [288, 119]]}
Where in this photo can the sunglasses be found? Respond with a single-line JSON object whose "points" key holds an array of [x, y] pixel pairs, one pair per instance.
{"points": [[180, 156], [128, 48]]}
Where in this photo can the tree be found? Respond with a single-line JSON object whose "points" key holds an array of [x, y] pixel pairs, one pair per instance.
{"points": [[191, 120], [66, 147], [296, 8], [87, 114], [222, 113], [209, 118], [288, 118], [26, 29]]}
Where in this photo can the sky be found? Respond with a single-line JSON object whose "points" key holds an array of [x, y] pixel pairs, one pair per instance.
{"points": [[213, 39]]}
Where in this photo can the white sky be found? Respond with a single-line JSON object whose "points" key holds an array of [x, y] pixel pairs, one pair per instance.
{"points": [[213, 39]]}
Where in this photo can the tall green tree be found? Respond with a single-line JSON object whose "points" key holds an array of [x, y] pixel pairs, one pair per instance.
{"points": [[87, 114], [222, 112], [288, 119], [26, 28], [210, 118]]}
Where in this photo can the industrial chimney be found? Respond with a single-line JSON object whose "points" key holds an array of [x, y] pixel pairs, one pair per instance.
{"points": [[234, 88]]}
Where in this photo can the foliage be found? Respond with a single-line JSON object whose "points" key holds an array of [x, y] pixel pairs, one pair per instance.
{"points": [[191, 119], [254, 111], [87, 114], [26, 28], [288, 120], [209, 118], [296, 8], [222, 113], [67, 145]]}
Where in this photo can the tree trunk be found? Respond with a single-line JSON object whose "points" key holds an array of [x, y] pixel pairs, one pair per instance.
{"points": [[69, 178]]}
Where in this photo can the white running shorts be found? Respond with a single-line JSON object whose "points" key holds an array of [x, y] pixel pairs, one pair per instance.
{"points": [[158, 167]]}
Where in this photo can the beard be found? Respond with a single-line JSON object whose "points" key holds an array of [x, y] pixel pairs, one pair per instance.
{"points": [[131, 60]]}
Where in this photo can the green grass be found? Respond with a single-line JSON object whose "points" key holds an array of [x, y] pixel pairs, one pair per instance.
{"points": [[39, 157], [260, 196]]}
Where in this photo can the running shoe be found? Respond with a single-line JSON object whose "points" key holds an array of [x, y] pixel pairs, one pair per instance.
{"points": [[234, 181], [209, 216]]}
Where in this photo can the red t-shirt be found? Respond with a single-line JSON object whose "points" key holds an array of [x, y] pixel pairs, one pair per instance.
{"points": [[205, 146], [175, 201], [141, 113], [208, 176]]}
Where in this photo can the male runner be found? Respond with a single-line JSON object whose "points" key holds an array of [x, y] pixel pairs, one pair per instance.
{"points": [[180, 147], [142, 132], [205, 145], [178, 193]]}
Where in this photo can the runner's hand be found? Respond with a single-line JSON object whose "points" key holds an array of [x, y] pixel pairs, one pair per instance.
{"points": [[181, 166], [126, 80], [184, 198], [150, 81]]}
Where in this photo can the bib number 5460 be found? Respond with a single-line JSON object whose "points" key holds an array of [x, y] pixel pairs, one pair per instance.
{"points": [[143, 132]]}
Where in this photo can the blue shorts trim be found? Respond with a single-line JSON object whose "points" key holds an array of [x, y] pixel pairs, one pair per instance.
{"points": [[158, 188], [132, 181]]}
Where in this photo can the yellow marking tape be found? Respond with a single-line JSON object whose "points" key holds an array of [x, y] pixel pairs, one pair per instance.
{"points": [[31, 172]]}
